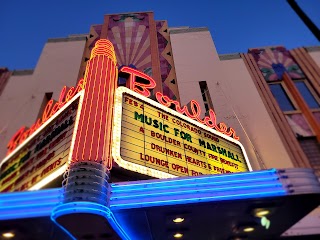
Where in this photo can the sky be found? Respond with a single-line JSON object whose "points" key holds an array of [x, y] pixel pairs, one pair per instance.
{"points": [[235, 25]]}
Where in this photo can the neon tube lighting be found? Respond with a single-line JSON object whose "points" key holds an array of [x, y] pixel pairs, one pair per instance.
{"points": [[63, 229], [93, 208], [195, 200], [46, 192], [18, 148], [49, 178], [29, 206], [200, 184], [117, 134], [75, 130], [22, 202], [199, 191], [270, 172], [26, 214]]}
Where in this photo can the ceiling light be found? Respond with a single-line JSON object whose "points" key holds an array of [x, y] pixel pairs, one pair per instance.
{"points": [[265, 222], [178, 235], [237, 238], [262, 212], [178, 220], [248, 229], [8, 235]]}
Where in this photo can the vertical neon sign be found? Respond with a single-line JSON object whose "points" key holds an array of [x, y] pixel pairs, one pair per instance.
{"points": [[93, 138]]}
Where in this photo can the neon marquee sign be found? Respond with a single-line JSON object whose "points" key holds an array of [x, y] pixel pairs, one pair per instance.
{"points": [[192, 110], [65, 96], [154, 140], [138, 82]]}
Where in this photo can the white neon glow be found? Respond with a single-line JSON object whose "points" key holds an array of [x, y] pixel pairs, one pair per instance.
{"points": [[117, 134], [74, 134], [61, 170], [49, 178], [54, 116]]}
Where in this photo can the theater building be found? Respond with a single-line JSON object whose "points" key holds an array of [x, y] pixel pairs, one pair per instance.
{"points": [[137, 130]]}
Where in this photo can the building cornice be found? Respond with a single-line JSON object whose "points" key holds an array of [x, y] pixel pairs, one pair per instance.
{"points": [[312, 49], [22, 72], [68, 39], [186, 30], [229, 56]]}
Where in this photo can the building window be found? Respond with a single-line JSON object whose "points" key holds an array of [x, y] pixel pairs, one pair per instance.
{"points": [[46, 98], [205, 96], [306, 94], [311, 148], [282, 97]]}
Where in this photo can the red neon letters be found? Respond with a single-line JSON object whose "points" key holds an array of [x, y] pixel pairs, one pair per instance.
{"points": [[133, 84], [192, 110], [50, 109]]}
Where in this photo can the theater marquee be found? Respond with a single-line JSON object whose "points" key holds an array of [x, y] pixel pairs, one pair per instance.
{"points": [[43, 155], [154, 140]]}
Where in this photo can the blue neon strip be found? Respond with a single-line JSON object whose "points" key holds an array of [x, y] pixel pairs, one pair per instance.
{"points": [[196, 184], [202, 178], [207, 197], [33, 206], [115, 225], [27, 209], [199, 191], [93, 208], [196, 200], [77, 206], [20, 215], [28, 204], [63, 229], [31, 200], [38, 193]]}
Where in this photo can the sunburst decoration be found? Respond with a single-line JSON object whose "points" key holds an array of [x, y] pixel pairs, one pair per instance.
{"points": [[273, 62], [131, 38]]}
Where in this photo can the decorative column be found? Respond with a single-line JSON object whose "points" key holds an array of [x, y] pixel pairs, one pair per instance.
{"points": [[86, 189], [94, 130], [91, 157]]}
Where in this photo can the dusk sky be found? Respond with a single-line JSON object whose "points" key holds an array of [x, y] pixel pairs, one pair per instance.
{"points": [[235, 25]]}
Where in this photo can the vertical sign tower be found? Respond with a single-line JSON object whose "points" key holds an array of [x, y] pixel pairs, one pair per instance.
{"points": [[91, 158], [86, 182], [93, 139]]}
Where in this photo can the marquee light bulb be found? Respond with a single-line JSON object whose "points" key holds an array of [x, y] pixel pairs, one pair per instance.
{"points": [[178, 235], [262, 213], [248, 229], [8, 235], [178, 220]]}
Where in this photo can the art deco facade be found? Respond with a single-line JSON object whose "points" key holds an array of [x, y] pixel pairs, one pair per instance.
{"points": [[269, 95]]}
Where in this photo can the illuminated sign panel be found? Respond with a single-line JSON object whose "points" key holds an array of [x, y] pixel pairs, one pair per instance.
{"points": [[148, 137], [43, 154], [155, 140]]}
